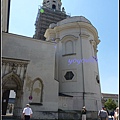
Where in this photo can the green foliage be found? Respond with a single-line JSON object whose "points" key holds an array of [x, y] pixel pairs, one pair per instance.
{"points": [[110, 104]]}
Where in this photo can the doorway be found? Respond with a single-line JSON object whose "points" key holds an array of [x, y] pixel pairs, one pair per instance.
{"points": [[8, 102], [11, 102], [12, 95]]}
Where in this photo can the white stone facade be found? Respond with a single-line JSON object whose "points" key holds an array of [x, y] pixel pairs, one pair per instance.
{"points": [[39, 77], [77, 40], [60, 75], [65, 63]]}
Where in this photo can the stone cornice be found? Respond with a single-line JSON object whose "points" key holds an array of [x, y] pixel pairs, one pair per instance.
{"points": [[78, 25], [66, 26], [17, 61], [17, 66], [84, 35]]}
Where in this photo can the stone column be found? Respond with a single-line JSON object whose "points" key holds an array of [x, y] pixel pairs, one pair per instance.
{"points": [[18, 103]]}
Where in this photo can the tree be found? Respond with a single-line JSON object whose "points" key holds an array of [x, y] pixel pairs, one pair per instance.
{"points": [[110, 104]]}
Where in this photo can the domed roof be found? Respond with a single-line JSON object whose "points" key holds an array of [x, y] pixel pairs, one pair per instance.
{"points": [[73, 19]]}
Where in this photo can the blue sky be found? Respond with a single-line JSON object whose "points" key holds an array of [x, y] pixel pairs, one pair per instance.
{"points": [[103, 14]]}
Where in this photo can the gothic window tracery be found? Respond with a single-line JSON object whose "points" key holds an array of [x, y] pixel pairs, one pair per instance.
{"points": [[19, 67]]}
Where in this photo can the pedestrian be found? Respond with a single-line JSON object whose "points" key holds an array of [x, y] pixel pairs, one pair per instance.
{"points": [[83, 113], [27, 112], [102, 114], [10, 109], [116, 114], [107, 111]]}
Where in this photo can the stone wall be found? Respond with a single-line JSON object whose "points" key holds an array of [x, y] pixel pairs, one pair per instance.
{"points": [[76, 115], [63, 115]]}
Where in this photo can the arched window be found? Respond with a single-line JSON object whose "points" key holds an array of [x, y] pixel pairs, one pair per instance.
{"points": [[53, 6], [69, 47], [37, 89]]}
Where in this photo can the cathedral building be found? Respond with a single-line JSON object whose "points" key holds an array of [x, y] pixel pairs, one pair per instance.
{"points": [[57, 75]]}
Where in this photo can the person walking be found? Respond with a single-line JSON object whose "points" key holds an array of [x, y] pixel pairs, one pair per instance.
{"points": [[102, 114], [116, 114], [83, 113], [27, 112]]}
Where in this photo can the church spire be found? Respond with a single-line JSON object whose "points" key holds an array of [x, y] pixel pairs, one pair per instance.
{"points": [[53, 4]]}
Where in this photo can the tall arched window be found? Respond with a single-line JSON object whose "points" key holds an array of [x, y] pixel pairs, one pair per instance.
{"points": [[37, 91], [69, 47]]}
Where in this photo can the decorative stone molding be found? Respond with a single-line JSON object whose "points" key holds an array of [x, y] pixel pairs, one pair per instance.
{"points": [[12, 80], [92, 42], [38, 90], [14, 65], [57, 40], [54, 40], [70, 37], [84, 35], [97, 41]]}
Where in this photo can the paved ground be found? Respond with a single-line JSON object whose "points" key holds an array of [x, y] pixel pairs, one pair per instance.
{"points": [[10, 117]]}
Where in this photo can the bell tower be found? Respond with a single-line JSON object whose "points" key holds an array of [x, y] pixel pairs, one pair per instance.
{"points": [[53, 4], [50, 12]]}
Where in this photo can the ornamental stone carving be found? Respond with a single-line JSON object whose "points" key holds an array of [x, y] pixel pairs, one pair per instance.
{"points": [[19, 67]]}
